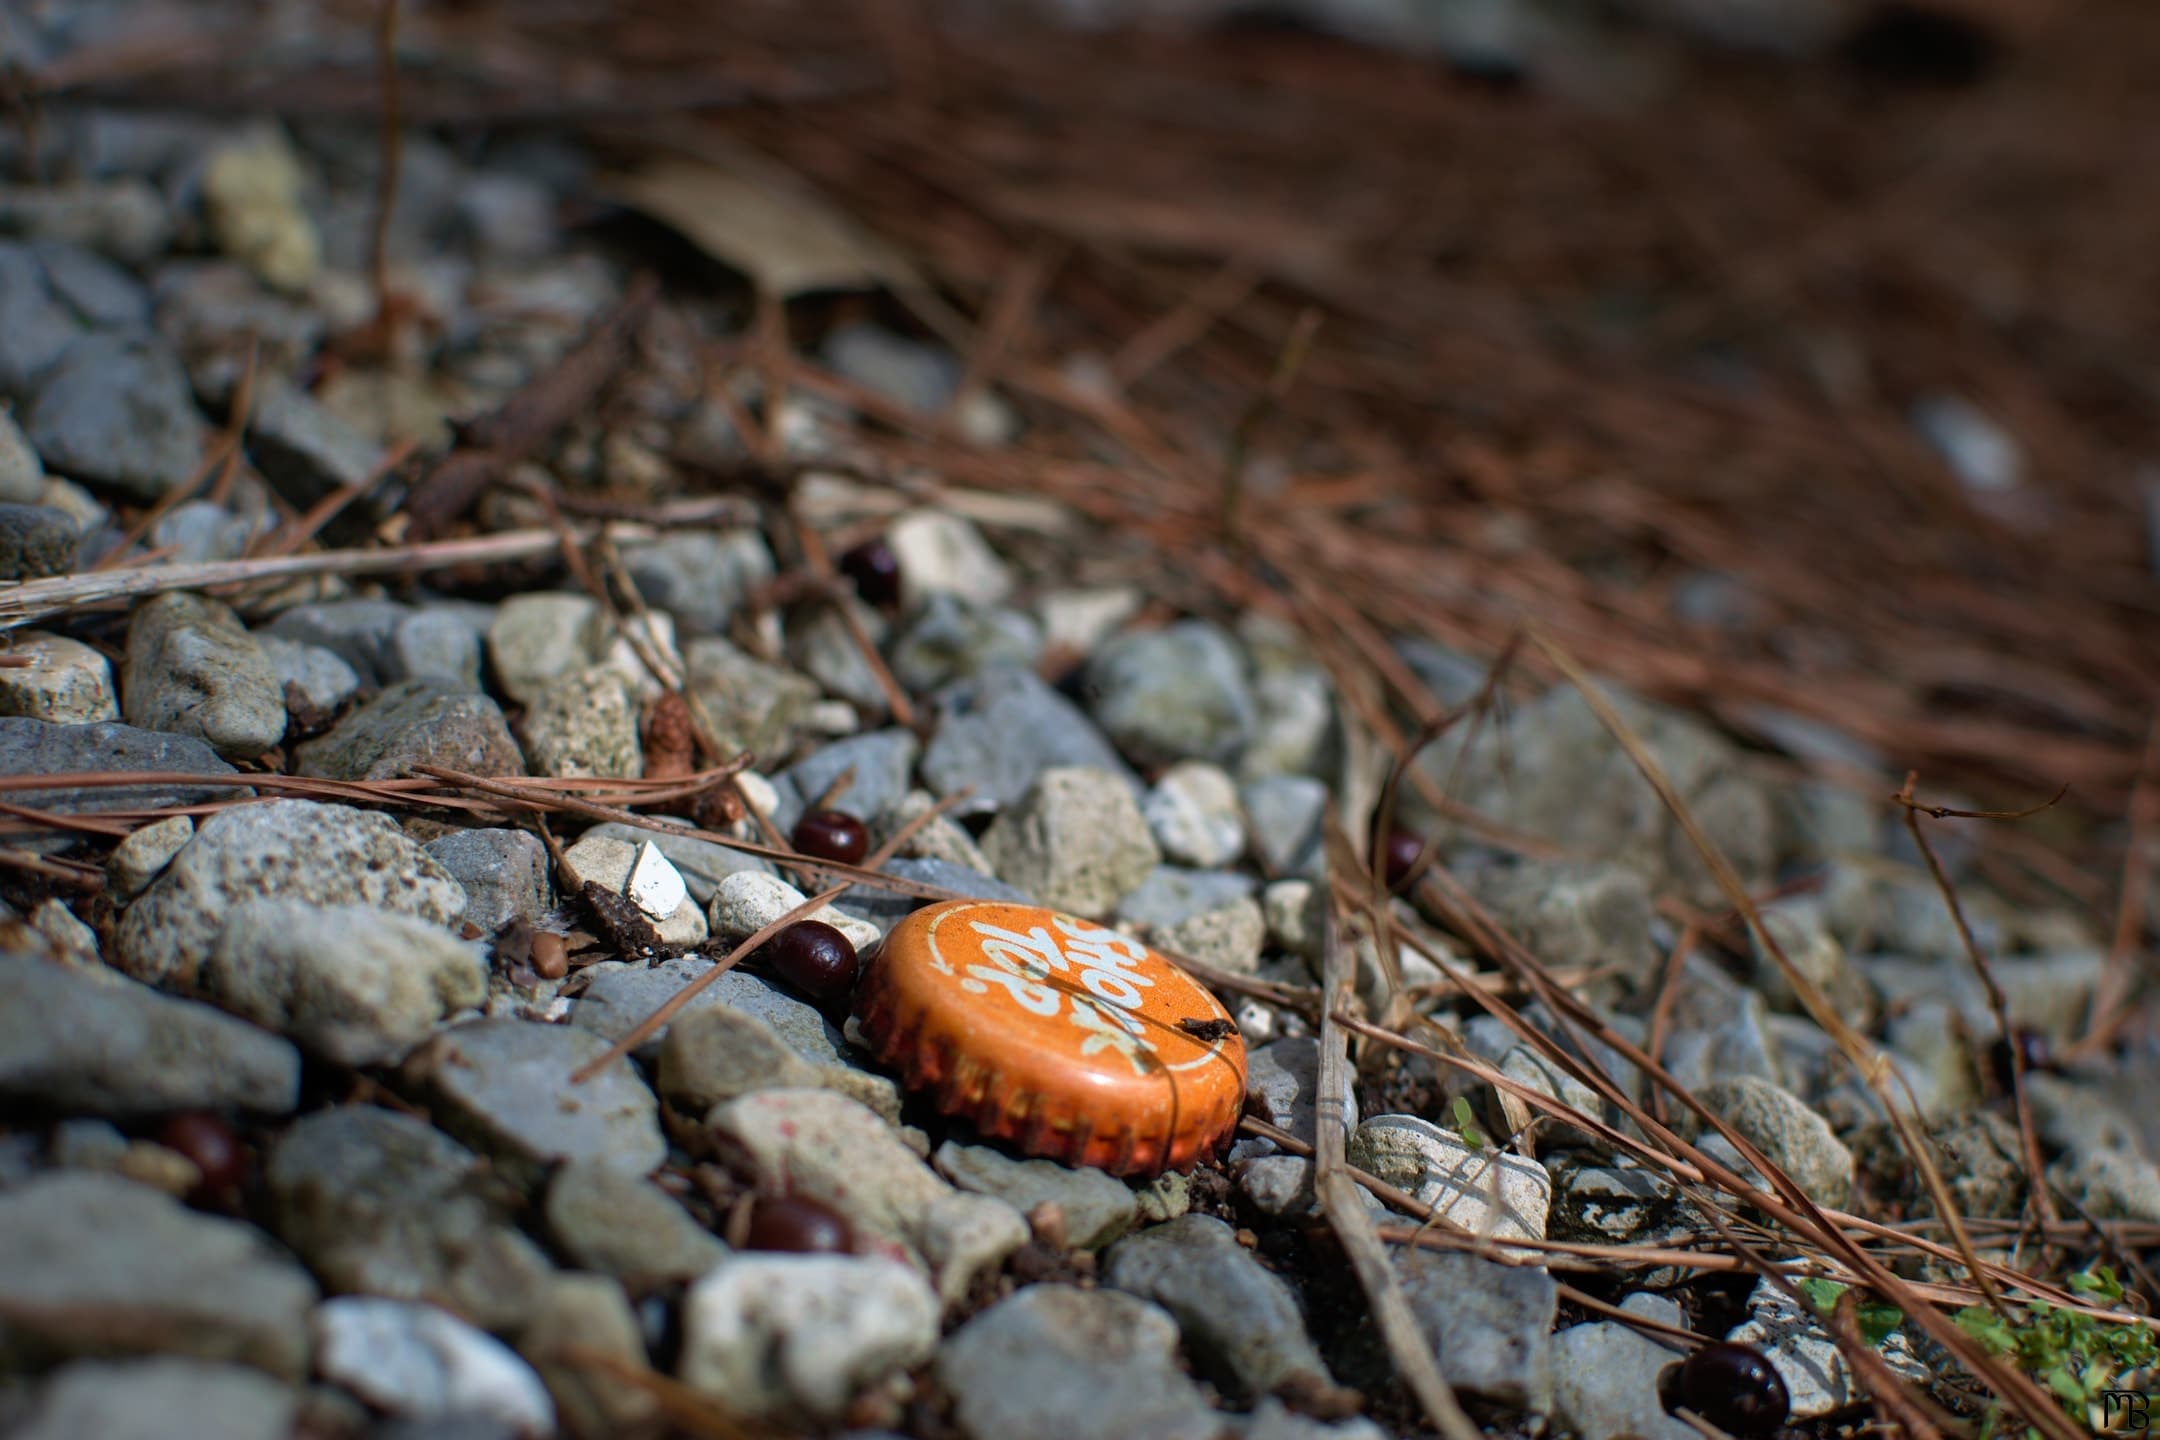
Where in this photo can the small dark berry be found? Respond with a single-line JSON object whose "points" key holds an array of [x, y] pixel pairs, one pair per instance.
{"points": [[832, 835], [1734, 1388], [214, 1149], [792, 1223], [876, 572], [1399, 854], [815, 960]]}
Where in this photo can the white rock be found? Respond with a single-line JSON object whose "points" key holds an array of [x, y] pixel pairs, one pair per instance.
{"points": [[656, 886], [796, 1337], [748, 900], [57, 923], [1193, 812], [1984, 455], [940, 553], [540, 637], [65, 682], [1485, 1191], [1818, 1379], [1079, 620], [359, 985], [1075, 840], [421, 1363], [143, 855], [602, 860]]}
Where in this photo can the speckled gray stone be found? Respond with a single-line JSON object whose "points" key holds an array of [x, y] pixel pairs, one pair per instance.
{"points": [[39, 747], [380, 1203], [998, 731], [1240, 1320], [628, 1227], [1098, 1207], [504, 1086], [281, 849], [1075, 839], [1489, 1325], [415, 723], [91, 1264], [504, 873], [103, 1044], [620, 996], [1178, 693], [1060, 1363], [193, 669], [159, 1399], [35, 541]]}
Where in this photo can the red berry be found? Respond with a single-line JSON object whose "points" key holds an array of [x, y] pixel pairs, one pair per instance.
{"points": [[815, 960], [832, 835], [1399, 855], [1734, 1388], [876, 572], [792, 1223], [214, 1149]]}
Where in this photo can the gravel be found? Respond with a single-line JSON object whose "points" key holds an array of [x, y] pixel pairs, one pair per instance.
{"points": [[194, 669]]}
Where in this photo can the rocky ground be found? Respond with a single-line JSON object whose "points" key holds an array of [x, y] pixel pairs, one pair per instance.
{"points": [[289, 1146]]}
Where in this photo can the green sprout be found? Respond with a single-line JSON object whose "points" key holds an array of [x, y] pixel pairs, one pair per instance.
{"points": [[1878, 1321], [1466, 1124]]}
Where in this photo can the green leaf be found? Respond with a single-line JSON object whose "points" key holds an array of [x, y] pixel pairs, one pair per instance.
{"points": [[1466, 1123], [2065, 1383], [1988, 1328], [2099, 1280], [1878, 1322], [1822, 1294]]}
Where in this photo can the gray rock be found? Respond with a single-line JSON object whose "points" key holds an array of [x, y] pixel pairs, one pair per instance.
{"points": [[1788, 1132], [886, 908], [619, 997], [1286, 812], [700, 577], [540, 636], [716, 1053], [359, 632], [91, 1264], [158, 1399], [1171, 896], [193, 669], [1801, 928], [144, 854], [951, 640], [504, 873], [1278, 1186], [1529, 1068], [1178, 693], [504, 1084], [920, 377], [410, 724], [1240, 1320], [1060, 1363], [1282, 1086], [1193, 812], [201, 530], [103, 294], [701, 863], [1489, 1325], [830, 1149], [1296, 912], [745, 904], [322, 679], [823, 647], [35, 541], [118, 413], [418, 1361], [1573, 914], [795, 1337], [881, 762], [1098, 1208], [1271, 1420], [1621, 1204], [999, 730], [1605, 1376], [100, 1043], [36, 327], [439, 645], [754, 706], [205, 307], [22, 478], [585, 724], [1075, 839], [125, 218], [590, 1314], [378, 1203], [1294, 723], [38, 747], [351, 983], [1722, 1040], [628, 1227], [278, 850], [304, 450], [2109, 1184]]}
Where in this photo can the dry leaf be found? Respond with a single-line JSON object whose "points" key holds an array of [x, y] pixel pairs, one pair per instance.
{"points": [[751, 214]]}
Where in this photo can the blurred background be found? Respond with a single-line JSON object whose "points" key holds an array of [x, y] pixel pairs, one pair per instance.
{"points": [[1792, 360]]}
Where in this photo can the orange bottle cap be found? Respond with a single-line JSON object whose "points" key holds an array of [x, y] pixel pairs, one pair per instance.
{"points": [[1070, 1040]]}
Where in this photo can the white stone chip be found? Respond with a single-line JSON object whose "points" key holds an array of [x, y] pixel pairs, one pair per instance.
{"points": [[656, 886], [418, 1362]]}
